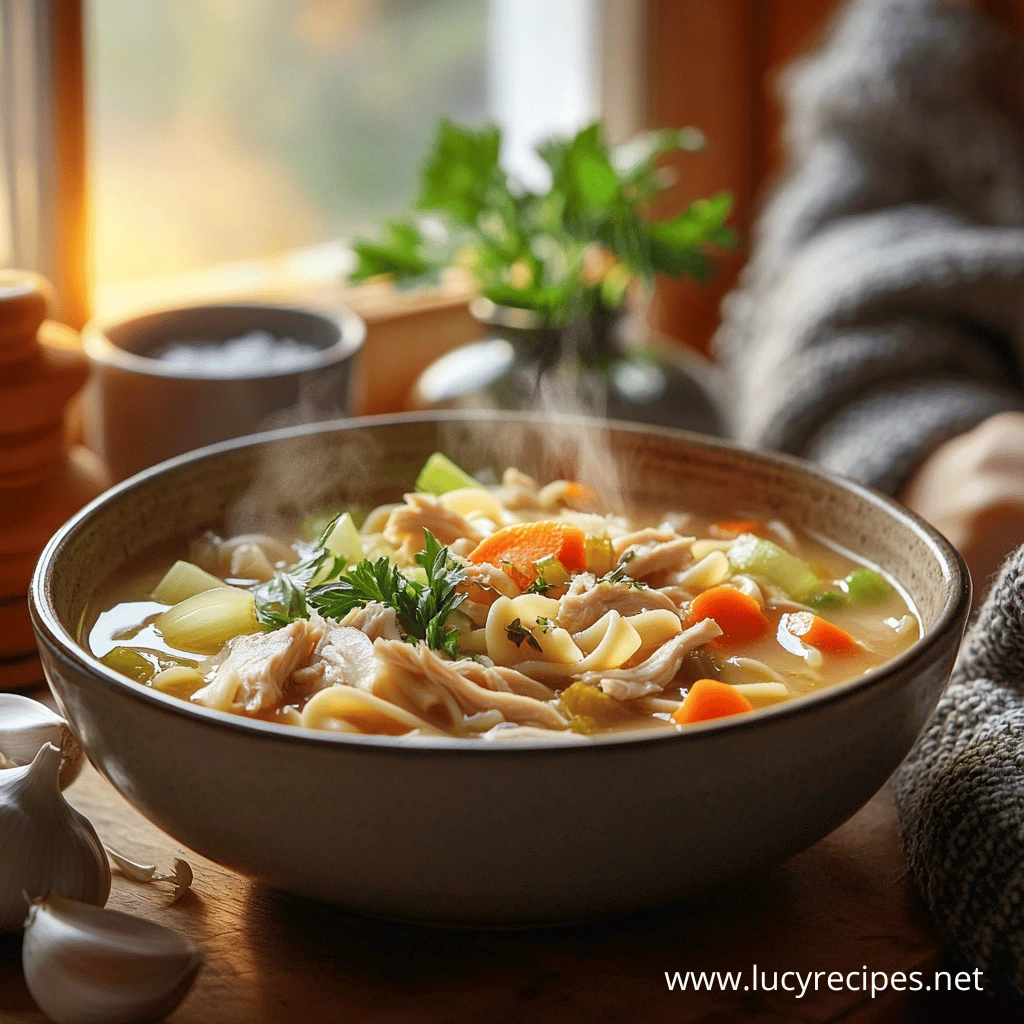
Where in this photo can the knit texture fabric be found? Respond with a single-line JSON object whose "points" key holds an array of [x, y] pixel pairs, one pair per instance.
{"points": [[960, 794], [882, 311]]}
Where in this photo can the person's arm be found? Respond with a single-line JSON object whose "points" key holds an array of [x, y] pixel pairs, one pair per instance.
{"points": [[879, 316], [960, 795]]}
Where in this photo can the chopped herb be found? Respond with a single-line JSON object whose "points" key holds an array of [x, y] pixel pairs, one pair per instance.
{"points": [[422, 608], [539, 586], [618, 574], [518, 633], [544, 624]]}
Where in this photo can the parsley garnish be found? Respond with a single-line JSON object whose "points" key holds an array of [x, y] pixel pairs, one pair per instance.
{"points": [[518, 633], [282, 599], [539, 586], [422, 608]]}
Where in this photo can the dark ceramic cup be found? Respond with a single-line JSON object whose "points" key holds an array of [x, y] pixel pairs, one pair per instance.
{"points": [[140, 410]]}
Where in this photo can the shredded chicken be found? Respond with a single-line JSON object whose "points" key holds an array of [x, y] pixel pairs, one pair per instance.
{"points": [[490, 577], [259, 668], [587, 600], [653, 675], [508, 680], [420, 662], [375, 620], [677, 595], [343, 655], [652, 551], [405, 525]]}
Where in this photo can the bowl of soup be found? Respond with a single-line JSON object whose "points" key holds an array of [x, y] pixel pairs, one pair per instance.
{"points": [[496, 669]]}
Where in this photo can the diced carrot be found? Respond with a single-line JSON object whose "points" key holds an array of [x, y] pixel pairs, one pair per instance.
{"points": [[580, 494], [517, 548], [738, 615], [521, 575], [708, 699], [730, 529], [819, 633]]}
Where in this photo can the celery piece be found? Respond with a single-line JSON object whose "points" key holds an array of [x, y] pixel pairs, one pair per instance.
{"points": [[315, 525], [760, 557], [593, 705], [865, 586], [142, 664], [204, 623], [600, 555], [827, 600], [184, 580], [440, 475], [343, 540], [551, 570], [130, 663]]}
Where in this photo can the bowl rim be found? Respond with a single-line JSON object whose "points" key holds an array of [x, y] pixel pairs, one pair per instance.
{"points": [[65, 647], [102, 351]]}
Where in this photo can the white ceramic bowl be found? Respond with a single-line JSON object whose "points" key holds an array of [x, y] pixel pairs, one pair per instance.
{"points": [[460, 832]]}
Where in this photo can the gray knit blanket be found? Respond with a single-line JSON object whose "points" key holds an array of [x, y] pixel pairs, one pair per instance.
{"points": [[882, 312]]}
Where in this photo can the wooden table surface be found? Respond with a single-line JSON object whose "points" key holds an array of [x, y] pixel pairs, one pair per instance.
{"points": [[845, 904]]}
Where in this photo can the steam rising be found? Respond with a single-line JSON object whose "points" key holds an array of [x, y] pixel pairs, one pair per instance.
{"points": [[300, 475]]}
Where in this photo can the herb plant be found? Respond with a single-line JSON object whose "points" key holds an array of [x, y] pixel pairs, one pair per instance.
{"points": [[563, 253]]}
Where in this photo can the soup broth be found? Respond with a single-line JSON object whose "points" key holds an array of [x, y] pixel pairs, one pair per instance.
{"points": [[500, 612]]}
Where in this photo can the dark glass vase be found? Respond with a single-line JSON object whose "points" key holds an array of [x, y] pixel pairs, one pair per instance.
{"points": [[589, 367]]}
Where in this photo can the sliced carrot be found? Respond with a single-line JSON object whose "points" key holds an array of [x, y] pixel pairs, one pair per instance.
{"points": [[819, 633], [517, 548], [580, 494], [730, 529], [738, 615], [707, 699], [521, 575]]}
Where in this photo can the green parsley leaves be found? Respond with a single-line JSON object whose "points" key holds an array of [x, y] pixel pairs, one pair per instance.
{"points": [[422, 608]]}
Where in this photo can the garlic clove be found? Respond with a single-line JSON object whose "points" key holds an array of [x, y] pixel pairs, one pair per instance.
{"points": [[86, 965], [26, 725], [45, 844], [181, 872], [136, 872]]}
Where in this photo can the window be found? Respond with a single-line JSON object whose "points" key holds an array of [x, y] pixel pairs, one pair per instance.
{"points": [[222, 130]]}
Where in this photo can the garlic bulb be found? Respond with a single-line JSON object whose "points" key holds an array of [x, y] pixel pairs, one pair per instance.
{"points": [[45, 844], [85, 965], [25, 725]]}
